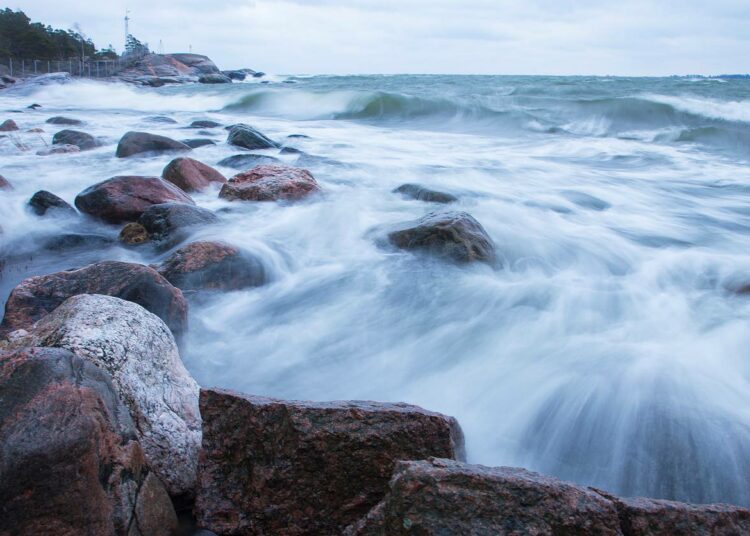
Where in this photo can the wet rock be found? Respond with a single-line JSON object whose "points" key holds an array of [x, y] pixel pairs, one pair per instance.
{"points": [[247, 161], [124, 199], [36, 297], [36, 130], [420, 193], [194, 143], [71, 463], [133, 143], [298, 136], [585, 200], [235, 75], [212, 266], [286, 467], [43, 201], [271, 182], [197, 63], [172, 222], [452, 235], [138, 351], [216, 78], [82, 140], [204, 123], [58, 149], [72, 241], [160, 119], [61, 120], [249, 138], [190, 175], [5, 184], [133, 234], [8, 126]]}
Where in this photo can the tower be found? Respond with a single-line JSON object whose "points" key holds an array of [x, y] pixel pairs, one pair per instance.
{"points": [[127, 21]]}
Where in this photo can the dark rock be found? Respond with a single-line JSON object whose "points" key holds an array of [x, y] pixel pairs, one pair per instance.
{"points": [[71, 463], [235, 75], [5, 184], [259, 74], [60, 120], [452, 235], [216, 78], [190, 175], [249, 138], [204, 123], [133, 143], [298, 136], [8, 126], [270, 183], [246, 161], [285, 467], [123, 199], [420, 193], [82, 140], [171, 222], [35, 105], [194, 143], [36, 297], [44, 201], [68, 241], [133, 234], [212, 266], [160, 119], [290, 150]]}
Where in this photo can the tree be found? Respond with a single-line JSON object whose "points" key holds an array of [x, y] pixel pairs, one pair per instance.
{"points": [[22, 39], [133, 47]]}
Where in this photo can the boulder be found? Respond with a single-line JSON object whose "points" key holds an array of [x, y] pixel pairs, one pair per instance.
{"points": [[204, 123], [190, 175], [212, 266], [82, 140], [5, 184], [125, 198], [44, 201], [58, 149], [197, 63], [133, 143], [452, 235], [238, 75], [36, 297], [194, 143], [272, 466], [249, 138], [71, 463], [437, 496], [60, 120], [172, 222], [133, 234], [247, 161], [271, 182], [138, 351], [8, 126], [216, 78], [420, 193]]}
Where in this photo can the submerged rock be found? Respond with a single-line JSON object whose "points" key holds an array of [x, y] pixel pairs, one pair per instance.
{"points": [[453, 235], [421, 193], [60, 120], [36, 297], [247, 161], [204, 123], [270, 182], [133, 143], [249, 138], [136, 348], [8, 126], [160, 119], [125, 198], [212, 266], [69, 241], [82, 140], [44, 201], [216, 78], [71, 463], [190, 175], [172, 222], [58, 149], [287, 467], [195, 143]]}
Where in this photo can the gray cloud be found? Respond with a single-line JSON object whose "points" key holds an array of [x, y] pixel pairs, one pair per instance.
{"points": [[637, 37]]}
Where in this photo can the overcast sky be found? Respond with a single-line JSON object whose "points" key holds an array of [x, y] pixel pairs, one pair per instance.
{"points": [[631, 37]]}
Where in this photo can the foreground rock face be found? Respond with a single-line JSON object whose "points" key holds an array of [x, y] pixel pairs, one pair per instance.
{"points": [[171, 222], [190, 175], [125, 198], [136, 348], [249, 138], [271, 182], [36, 297], [133, 143], [282, 467], [421, 193], [82, 140], [43, 201], [212, 266], [71, 463], [436, 497], [453, 235]]}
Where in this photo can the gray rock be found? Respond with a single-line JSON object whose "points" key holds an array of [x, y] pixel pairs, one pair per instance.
{"points": [[249, 138], [421, 193], [44, 201], [82, 140], [214, 79], [133, 143], [246, 161]]}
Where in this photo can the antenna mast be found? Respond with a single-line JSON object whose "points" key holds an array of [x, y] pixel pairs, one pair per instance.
{"points": [[127, 21]]}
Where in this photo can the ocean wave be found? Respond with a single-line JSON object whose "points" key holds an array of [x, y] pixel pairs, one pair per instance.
{"points": [[733, 111]]}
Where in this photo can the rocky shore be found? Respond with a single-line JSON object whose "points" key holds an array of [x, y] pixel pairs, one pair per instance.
{"points": [[103, 430]]}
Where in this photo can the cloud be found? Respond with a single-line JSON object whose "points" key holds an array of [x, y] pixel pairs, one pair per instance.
{"points": [[638, 37]]}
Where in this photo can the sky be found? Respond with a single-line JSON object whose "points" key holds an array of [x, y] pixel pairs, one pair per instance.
{"points": [[536, 37]]}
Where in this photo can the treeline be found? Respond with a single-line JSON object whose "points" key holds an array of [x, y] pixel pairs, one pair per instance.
{"points": [[22, 39]]}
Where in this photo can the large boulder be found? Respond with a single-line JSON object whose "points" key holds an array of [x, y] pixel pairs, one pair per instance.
{"points": [[249, 138], [197, 63], [452, 235], [212, 266], [36, 297], [70, 462], [437, 496], [125, 198], [133, 143], [270, 182], [136, 348], [422, 193], [82, 140], [272, 466], [190, 175], [43, 201], [172, 222]]}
